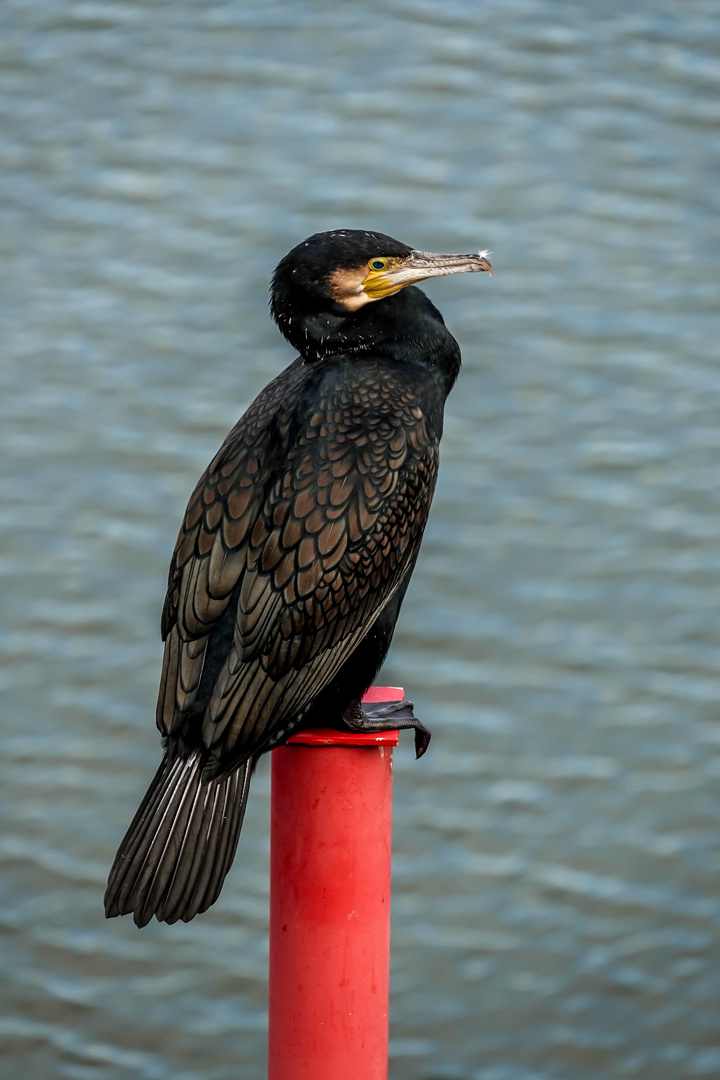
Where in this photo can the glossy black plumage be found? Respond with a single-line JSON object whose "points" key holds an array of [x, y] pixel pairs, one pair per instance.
{"points": [[293, 557]]}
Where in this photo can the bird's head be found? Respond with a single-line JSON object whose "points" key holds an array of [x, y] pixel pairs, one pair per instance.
{"points": [[321, 285], [345, 269]]}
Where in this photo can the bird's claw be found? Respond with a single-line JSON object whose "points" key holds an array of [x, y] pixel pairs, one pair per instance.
{"points": [[388, 716], [389, 708], [422, 740]]}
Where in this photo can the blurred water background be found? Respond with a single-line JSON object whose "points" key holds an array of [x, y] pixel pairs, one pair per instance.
{"points": [[556, 905]]}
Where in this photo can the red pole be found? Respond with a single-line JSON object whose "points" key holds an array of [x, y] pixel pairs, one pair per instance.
{"points": [[330, 903]]}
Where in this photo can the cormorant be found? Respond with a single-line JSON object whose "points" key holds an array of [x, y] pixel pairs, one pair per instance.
{"points": [[294, 555]]}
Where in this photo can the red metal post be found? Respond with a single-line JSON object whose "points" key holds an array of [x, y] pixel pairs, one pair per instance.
{"points": [[330, 904]]}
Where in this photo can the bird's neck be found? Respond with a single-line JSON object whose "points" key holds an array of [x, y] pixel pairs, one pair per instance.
{"points": [[406, 327]]}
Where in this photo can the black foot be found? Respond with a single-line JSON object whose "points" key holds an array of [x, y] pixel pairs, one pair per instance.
{"points": [[388, 717]]}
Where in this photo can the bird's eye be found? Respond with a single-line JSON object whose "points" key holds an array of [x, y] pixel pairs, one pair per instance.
{"points": [[378, 264]]}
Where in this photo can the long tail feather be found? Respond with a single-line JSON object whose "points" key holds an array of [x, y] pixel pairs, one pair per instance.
{"points": [[180, 845]]}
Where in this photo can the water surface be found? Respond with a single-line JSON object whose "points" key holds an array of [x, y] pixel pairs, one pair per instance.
{"points": [[556, 860]]}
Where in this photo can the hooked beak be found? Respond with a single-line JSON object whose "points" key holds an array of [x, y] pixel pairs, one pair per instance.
{"points": [[419, 266]]}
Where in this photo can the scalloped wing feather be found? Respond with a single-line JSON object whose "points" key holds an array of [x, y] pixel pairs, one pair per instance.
{"points": [[314, 521], [335, 537]]}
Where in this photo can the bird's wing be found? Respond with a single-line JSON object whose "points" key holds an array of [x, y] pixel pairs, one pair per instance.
{"points": [[310, 526], [211, 550], [334, 539]]}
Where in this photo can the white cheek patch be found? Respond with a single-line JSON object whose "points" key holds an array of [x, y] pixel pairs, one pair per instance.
{"points": [[346, 288]]}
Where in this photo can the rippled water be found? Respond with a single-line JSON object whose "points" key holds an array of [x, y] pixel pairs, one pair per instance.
{"points": [[556, 895]]}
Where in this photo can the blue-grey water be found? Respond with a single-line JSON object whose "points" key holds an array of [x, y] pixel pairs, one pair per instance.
{"points": [[556, 861]]}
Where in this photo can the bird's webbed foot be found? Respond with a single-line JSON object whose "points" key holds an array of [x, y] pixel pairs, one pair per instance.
{"points": [[387, 716]]}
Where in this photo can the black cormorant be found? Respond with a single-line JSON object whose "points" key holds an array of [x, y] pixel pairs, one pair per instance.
{"points": [[294, 555]]}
